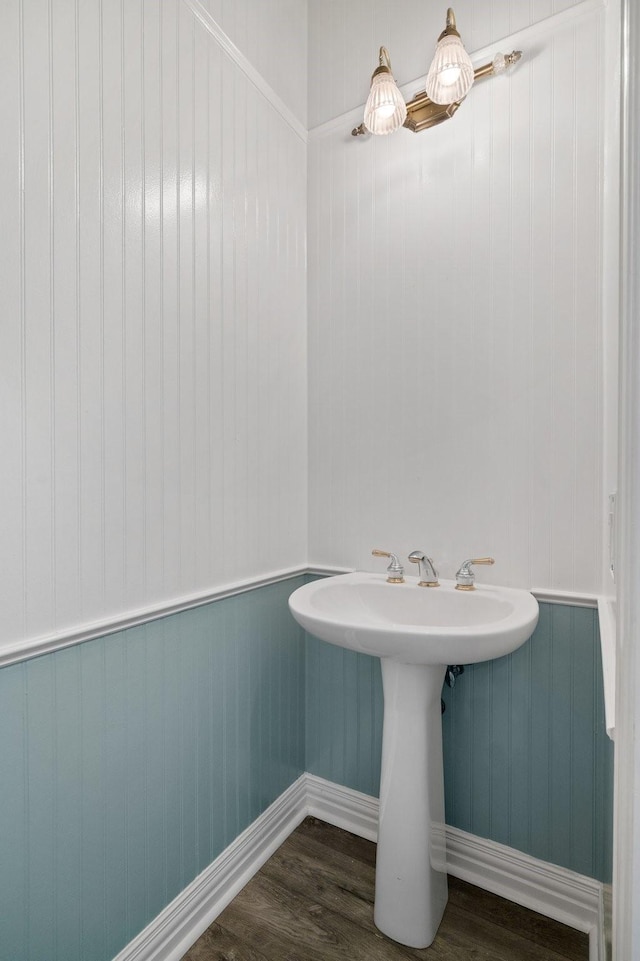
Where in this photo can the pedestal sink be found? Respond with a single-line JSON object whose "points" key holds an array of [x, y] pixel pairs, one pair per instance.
{"points": [[416, 632]]}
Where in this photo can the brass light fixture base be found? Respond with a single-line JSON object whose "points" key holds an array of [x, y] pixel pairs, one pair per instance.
{"points": [[423, 113]]}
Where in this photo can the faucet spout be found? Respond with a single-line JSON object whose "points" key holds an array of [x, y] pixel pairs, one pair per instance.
{"points": [[426, 570]]}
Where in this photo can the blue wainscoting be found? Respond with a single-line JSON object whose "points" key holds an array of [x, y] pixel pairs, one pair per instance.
{"points": [[528, 762], [128, 763], [527, 759], [344, 716]]}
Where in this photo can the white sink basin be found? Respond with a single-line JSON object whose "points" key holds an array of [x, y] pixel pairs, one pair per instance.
{"points": [[416, 631], [415, 625]]}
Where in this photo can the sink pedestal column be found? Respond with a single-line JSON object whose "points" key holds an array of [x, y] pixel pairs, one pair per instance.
{"points": [[411, 880]]}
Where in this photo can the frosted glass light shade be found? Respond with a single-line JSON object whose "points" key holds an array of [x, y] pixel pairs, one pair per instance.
{"points": [[451, 72], [385, 109]]}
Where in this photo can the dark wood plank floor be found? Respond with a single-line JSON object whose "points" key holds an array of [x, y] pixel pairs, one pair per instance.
{"points": [[313, 901]]}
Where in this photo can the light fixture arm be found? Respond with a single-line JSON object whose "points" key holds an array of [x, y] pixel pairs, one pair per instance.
{"points": [[450, 29], [384, 63]]}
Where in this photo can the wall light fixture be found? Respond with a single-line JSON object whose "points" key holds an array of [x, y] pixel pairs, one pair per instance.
{"points": [[450, 77]]}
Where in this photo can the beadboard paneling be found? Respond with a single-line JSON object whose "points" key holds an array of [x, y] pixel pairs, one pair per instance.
{"points": [[153, 339], [455, 326], [130, 762], [527, 760], [344, 710]]}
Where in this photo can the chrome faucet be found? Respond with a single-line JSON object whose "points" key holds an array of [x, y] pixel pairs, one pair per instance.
{"points": [[426, 571], [465, 576], [395, 570]]}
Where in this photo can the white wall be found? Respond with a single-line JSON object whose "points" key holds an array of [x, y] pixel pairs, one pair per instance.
{"points": [[455, 303], [152, 370]]}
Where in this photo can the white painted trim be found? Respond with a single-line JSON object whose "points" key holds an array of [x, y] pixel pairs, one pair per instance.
{"points": [[546, 888], [170, 935], [214, 29], [568, 598], [522, 39], [611, 287], [626, 826], [36, 646], [342, 807], [329, 571], [550, 890], [607, 621]]}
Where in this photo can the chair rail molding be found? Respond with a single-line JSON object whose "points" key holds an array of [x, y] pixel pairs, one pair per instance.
{"points": [[88, 631]]}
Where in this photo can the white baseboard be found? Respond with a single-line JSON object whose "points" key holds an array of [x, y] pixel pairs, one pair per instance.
{"points": [[170, 935], [342, 807], [546, 888]]}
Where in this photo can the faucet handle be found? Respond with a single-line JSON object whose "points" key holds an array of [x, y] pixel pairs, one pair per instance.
{"points": [[395, 570], [465, 576]]}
